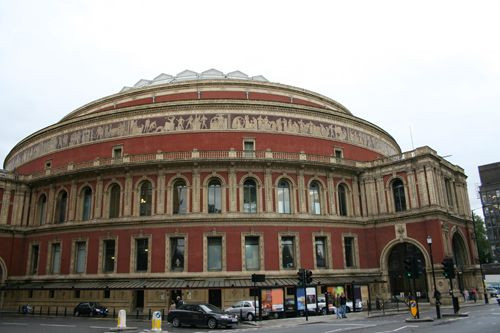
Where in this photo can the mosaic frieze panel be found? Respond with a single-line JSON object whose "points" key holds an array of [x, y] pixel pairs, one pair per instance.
{"points": [[201, 122]]}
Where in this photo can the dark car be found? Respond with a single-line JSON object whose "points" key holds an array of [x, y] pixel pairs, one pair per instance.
{"points": [[90, 309], [201, 315]]}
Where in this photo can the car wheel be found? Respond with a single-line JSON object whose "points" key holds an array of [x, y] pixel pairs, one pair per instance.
{"points": [[176, 322], [91, 314], [77, 313], [323, 311], [276, 315], [212, 323], [250, 316], [347, 309]]}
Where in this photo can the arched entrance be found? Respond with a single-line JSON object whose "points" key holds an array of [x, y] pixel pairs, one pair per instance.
{"points": [[397, 279], [459, 257], [3, 277]]}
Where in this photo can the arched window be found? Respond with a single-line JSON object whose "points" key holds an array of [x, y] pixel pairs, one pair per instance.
{"points": [[62, 199], [342, 193], [314, 191], [145, 198], [42, 209], [214, 196], [114, 201], [180, 197], [249, 196], [86, 203], [398, 190], [284, 197]]}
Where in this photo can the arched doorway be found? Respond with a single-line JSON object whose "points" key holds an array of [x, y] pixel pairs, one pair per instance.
{"points": [[459, 257], [3, 277], [397, 279]]}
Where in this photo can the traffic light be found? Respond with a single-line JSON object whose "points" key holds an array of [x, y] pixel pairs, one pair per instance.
{"points": [[301, 276], [309, 278], [418, 268], [448, 268], [408, 267]]}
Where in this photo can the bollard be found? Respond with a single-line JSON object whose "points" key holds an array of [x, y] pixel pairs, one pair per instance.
{"points": [[156, 322], [40, 310], [114, 313], [48, 310], [149, 314], [65, 311], [163, 312], [122, 319], [57, 310], [137, 314]]}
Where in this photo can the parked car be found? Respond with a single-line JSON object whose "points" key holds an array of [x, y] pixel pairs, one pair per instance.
{"points": [[90, 309], [246, 310], [322, 306], [201, 315], [349, 306], [493, 292]]}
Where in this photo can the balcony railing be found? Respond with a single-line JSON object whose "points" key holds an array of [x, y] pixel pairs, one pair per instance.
{"points": [[184, 156]]}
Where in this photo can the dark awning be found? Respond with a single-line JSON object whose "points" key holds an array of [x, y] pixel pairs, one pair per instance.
{"points": [[182, 284]]}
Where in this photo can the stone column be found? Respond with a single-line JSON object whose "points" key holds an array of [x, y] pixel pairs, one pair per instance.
{"points": [[160, 193], [98, 198], [380, 188], [17, 209], [127, 196], [4, 214], [432, 189], [412, 189], [422, 185], [331, 194], [301, 188], [268, 189], [33, 209], [51, 207], [355, 194], [196, 189], [72, 204], [232, 190]]}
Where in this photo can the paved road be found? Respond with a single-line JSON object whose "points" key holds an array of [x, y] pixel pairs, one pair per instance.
{"points": [[482, 319]]}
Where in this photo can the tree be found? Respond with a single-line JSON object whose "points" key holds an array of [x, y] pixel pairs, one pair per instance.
{"points": [[483, 244]]}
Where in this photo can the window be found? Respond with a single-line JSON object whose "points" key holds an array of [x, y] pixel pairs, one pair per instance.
{"points": [[55, 263], [48, 164], [214, 259], [252, 253], [214, 196], [314, 198], [349, 251], [117, 152], [288, 252], [80, 256], [87, 203], [177, 254], [449, 193], [320, 250], [398, 190], [249, 148], [34, 259], [141, 254], [338, 153], [342, 200], [284, 197], [145, 199], [249, 196], [114, 201], [180, 197], [62, 199], [109, 255], [42, 209]]}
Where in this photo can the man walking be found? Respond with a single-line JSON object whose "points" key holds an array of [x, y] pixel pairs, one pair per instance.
{"points": [[343, 301]]}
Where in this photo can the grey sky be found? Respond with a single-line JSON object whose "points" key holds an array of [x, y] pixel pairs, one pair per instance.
{"points": [[433, 66]]}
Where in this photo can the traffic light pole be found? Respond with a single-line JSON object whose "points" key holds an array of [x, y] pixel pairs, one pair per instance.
{"points": [[436, 293], [304, 285]]}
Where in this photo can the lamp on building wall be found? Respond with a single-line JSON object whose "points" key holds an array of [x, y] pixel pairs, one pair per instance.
{"points": [[436, 292], [477, 249]]}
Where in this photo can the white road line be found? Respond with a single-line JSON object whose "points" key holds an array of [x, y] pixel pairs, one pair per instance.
{"points": [[398, 329], [101, 327], [18, 324], [338, 329], [57, 325]]}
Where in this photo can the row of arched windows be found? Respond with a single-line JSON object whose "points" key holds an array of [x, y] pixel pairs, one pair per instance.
{"points": [[213, 201]]}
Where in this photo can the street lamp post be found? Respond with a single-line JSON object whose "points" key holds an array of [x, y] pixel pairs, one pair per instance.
{"points": [[480, 264], [436, 292]]}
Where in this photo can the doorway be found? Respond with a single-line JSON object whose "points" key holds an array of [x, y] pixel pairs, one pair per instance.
{"points": [[215, 297], [139, 299]]}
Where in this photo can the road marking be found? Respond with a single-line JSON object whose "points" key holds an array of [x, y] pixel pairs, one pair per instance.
{"points": [[338, 329], [398, 329], [19, 324], [101, 327], [57, 325]]}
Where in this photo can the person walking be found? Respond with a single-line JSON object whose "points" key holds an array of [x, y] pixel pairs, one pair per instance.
{"points": [[338, 308], [343, 302]]}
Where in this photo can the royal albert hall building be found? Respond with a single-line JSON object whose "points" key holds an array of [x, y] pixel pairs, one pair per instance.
{"points": [[187, 185]]}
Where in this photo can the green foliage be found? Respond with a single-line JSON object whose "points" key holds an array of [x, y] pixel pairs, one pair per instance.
{"points": [[482, 242]]}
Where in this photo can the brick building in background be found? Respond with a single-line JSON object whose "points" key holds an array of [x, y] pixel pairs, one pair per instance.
{"points": [[187, 185]]}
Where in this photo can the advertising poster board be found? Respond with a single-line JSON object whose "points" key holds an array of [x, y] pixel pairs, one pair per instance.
{"points": [[272, 300], [311, 299]]}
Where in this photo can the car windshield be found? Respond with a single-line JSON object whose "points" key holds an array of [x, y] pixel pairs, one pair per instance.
{"points": [[210, 308]]}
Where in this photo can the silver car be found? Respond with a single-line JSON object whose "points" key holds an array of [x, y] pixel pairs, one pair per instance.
{"points": [[245, 310]]}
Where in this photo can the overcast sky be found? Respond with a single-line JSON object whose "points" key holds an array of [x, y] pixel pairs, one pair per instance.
{"points": [[429, 66]]}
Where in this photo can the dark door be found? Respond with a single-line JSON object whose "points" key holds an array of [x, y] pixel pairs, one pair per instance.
{"points": [[139, 299], [215, 297]]}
